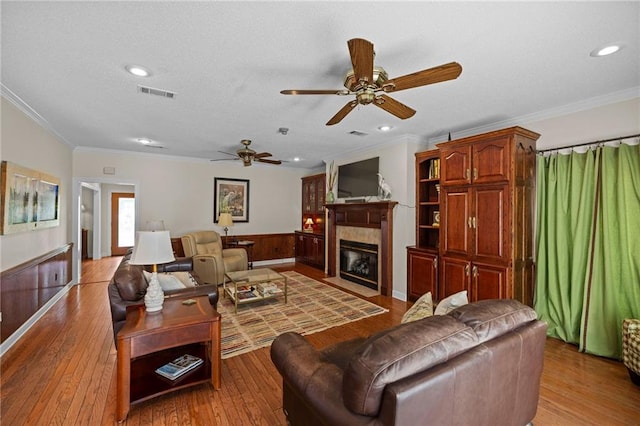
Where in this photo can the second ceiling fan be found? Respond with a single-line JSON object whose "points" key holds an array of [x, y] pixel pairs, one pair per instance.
{"points": [[247, 155], [370, 83]]}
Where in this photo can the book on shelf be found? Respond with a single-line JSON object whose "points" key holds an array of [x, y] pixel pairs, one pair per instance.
{"points": [[243, 295], [267, 289], [179, 366]]}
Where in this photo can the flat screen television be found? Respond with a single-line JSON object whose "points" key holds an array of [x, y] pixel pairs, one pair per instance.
{"points": [[359, 179]]}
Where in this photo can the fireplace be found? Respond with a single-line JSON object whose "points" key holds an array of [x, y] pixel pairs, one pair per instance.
{"points": [[376, 217], [359, 263]]}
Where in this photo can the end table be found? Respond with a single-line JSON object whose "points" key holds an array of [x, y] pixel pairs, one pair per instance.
{"points": [[147, 341]]}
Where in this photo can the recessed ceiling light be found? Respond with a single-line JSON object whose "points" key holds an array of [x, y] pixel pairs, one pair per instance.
{"points": [[296, 158], [385, 128], [145, 141], [606, 50], [137, 70]]}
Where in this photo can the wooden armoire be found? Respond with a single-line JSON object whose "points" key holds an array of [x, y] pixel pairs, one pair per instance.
{"points": [[485, 227]]}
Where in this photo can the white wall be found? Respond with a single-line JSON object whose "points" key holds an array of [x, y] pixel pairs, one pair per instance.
{"points": [[603, 122], [180, 191], [26, 143]]}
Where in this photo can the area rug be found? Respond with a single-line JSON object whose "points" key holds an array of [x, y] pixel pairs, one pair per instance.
{"points": [[311, 307]]}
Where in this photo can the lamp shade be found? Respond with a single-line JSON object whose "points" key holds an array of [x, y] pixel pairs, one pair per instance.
{"points": [[225, 219], [152, 248], [309, 221]]}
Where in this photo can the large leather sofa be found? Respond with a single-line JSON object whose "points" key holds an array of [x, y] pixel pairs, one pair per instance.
{"points": [[129, 285], [210, 259], [480, 364]]}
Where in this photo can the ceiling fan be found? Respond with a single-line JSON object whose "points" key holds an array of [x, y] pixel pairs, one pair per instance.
{"points": [[247, 155], [370, 83]]}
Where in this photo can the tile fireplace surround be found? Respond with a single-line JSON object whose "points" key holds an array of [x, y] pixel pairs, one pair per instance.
{"points": [[363, 222]]}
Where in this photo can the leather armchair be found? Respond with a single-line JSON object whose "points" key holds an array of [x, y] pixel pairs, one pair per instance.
{"points": [[479, 364], [210, 260]]}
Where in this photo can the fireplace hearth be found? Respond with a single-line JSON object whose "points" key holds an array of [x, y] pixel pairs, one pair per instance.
{"points": [[359, 263]]}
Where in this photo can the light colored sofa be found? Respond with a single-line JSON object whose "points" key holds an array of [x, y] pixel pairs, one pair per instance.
{"points": [[210, 259]]}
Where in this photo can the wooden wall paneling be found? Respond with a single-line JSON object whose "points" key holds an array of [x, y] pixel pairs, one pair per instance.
{"points": [[29, 286]]}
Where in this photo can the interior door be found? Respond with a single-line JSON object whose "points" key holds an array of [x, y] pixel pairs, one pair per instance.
{"points": [[123, 214]]}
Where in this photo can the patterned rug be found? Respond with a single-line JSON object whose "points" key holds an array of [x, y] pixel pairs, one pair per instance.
{"points": [[311, 307]]}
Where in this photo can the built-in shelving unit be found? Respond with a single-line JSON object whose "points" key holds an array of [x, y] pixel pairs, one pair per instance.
{"points": [[422, 259]]}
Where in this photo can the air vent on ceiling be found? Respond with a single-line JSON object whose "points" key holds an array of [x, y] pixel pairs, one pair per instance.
{"points": [[357, 133], [158, 92]]}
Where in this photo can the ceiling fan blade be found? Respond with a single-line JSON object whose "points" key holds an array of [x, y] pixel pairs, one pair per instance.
{"points": [[262, 155], [362, 53], [315, 92], [264, 160], [394, 107], [342, 113], [228, 153], [445, 72]]}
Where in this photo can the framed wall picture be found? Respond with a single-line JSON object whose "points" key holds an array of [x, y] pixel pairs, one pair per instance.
{"points": [[231, 196], [30, 199]]}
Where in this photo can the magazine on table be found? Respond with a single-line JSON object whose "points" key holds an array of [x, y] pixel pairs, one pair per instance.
{"points": [[176, 368], [242, 295]]}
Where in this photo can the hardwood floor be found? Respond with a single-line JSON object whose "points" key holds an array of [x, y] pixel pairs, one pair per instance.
{"points": [[63, 372]]}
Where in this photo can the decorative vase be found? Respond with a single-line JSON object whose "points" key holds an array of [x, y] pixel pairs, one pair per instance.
{"points": [[154, 298], [329, 198]]}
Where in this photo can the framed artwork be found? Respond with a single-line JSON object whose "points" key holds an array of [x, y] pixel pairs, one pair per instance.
{"points": [[231, 196], [30, 199]]}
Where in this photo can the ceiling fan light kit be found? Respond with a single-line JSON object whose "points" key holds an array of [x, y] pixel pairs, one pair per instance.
{"points": [[366, 81]]}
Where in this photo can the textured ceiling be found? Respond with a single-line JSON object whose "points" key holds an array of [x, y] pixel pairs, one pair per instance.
{"points": [[228, 61]]}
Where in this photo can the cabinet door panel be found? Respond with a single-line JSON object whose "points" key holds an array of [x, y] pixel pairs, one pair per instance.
{"points": [[318, 251], [488, 282], [455, 277], [491, 161], [306, 201], [456, 166], [455, 207], [320, 194], [490, 221], [423, 274]]}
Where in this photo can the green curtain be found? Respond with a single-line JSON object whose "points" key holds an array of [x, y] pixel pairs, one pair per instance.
{"points": [[614, 290], [588, 245]]}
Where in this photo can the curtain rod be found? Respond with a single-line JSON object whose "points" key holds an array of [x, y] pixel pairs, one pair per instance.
{"points": [[589, 143]]}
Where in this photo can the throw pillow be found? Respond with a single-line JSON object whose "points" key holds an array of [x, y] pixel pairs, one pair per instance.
{"points": [[421, 309], [448, 304]]}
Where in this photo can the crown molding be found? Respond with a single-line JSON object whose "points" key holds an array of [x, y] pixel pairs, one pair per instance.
{"points": [[595, 102], [19, 103]]}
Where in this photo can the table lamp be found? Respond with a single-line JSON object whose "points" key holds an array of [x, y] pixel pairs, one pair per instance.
{"points": [[309, 225], [226, 220], [152, 248]]}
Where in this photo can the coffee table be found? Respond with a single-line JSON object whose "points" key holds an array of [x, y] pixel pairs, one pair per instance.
{"points": [[254, 285], [147, 341]]}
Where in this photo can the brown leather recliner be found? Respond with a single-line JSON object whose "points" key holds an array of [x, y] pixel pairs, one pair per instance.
{"points": [[480, 364], [210, 260]]}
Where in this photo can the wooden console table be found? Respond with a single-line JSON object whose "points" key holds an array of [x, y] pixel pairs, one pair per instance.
{"points": [[148, 341]]}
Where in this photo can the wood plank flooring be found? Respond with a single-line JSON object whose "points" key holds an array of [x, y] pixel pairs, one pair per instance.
{"points": [[63, 372]]}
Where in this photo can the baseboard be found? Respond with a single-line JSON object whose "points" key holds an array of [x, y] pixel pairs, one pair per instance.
{"points": [[273, 262]]}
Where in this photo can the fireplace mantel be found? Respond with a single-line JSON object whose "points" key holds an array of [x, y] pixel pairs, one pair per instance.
{"points": [[364, 215]]}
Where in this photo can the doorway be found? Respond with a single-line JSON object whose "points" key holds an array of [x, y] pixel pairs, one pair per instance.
{"points": [[123, 222]]}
